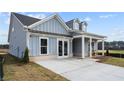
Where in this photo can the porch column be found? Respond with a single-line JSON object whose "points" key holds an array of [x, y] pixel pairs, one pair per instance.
{"points": [[103, 47], [96, 47], [71, 46], [90, 47], [83, 47]]}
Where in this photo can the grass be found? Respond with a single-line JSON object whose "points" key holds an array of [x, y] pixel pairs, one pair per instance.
{"points": [[15, 70], [113, 51], [113, 61]]}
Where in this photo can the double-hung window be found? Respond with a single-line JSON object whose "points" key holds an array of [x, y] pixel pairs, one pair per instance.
{"points": [[44, 46]]}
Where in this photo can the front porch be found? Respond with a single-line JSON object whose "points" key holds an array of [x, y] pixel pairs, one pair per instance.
{"points": [[86, 46]]}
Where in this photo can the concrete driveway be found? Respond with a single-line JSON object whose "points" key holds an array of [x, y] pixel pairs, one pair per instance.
{"points": [[84, 69]]}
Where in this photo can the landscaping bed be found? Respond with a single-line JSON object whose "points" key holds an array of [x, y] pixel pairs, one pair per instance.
{"points": [[15, 70], [111, 60]]}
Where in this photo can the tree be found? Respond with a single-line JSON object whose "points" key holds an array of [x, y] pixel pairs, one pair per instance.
{"points": [[26, 56]]}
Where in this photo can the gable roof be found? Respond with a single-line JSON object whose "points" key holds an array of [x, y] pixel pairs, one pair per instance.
{"points": [[48, 18], [26, 20]]}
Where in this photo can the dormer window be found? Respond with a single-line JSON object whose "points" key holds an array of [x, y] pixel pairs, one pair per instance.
{"points": [[76, 26], [84, 26]]}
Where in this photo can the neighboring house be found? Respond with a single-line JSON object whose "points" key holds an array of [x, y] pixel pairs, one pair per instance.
{"points": [[51, 37]]}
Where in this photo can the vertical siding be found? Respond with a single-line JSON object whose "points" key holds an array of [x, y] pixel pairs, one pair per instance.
{"points": [[77, 47], [35, 48], [17, 38], [53, 46], [52, 25], [86, 47]]}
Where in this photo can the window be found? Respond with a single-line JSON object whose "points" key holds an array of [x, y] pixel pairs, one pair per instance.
{"points": [[43, 46], [76, 26]]}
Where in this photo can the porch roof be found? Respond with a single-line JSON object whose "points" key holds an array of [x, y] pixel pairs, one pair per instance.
{"points": [[78, 32], [48, 33]]}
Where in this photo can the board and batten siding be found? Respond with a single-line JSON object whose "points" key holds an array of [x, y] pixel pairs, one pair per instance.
{"points": [[35, 46], [52, 25], [17, 42], [86, 47], [77, 47]]}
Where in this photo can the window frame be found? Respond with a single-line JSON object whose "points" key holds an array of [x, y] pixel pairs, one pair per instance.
{"points": [[46, 46], [75, 25], [84, 27]]}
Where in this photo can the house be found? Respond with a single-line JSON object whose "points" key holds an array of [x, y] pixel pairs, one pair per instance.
{"points": [[51, 37]]}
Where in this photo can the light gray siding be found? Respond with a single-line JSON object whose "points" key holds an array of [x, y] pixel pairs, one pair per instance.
{"points": [[53, 46], [17, 39], [34, 44], [86, 47], [77, 47], [52, 25]]}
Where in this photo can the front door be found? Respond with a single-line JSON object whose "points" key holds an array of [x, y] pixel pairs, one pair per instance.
{"points": [[63, 47]]}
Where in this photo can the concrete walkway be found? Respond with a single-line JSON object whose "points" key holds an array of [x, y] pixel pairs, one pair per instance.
{"points": [[84, 69]]}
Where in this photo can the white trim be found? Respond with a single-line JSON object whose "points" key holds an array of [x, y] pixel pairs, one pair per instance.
{"points": [[62, 39], [48, 18], [83, 47], [54, 36], [40, 45], [90, 47], [79, 36], [103, 47]]}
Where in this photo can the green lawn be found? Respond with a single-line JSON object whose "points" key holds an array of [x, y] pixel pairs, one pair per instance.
{"points": [[15, 70], [113, 61], [113, 51]]}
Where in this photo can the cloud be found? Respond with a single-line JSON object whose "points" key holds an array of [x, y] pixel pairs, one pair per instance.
{"points": [[106, 16], [116, 34], [40, 16], [87, 19], [5, 14], [3, 33], [7, 21], [3, 37], [5, 17]]}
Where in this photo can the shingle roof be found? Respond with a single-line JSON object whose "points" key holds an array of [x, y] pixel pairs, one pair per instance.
{"points": [[26, 20]]}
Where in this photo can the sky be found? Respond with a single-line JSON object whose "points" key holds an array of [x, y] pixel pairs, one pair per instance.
{"points": [[110, 24]]}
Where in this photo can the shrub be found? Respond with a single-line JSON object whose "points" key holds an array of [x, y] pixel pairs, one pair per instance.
{"points": [[26, 56], [107, 52]]}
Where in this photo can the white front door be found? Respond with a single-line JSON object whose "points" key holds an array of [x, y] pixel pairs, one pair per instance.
{"points": [[63, 48]]}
